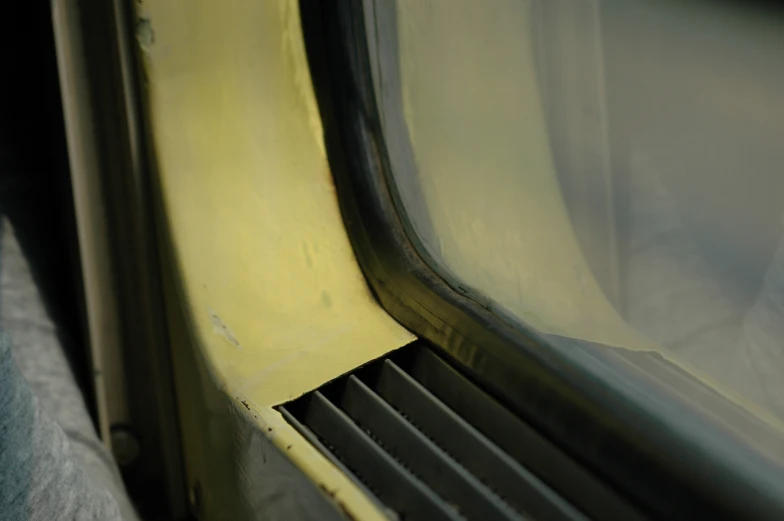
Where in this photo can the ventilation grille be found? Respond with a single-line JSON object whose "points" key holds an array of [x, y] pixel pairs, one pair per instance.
{"points": [[427, 444]]}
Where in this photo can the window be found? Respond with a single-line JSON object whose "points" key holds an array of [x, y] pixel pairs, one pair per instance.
{"points": [[580, 201], [586, 163]]}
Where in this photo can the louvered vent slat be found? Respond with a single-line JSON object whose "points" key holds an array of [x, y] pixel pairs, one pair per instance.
{"points": [[426, 443]]}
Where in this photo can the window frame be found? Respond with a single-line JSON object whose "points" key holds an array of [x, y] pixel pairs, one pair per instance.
{"points": [[605, 407]]}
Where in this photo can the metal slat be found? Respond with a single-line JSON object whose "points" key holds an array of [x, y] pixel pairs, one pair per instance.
{"points": [[472, 449], [314, 440], [403, 441], [519, 440], [394, 485]]}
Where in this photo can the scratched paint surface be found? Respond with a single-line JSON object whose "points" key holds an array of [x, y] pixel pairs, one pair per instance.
{"points": [[275, 301], [273, 287]]}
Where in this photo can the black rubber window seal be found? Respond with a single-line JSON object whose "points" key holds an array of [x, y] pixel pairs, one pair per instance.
{"points": [[604, 406]]}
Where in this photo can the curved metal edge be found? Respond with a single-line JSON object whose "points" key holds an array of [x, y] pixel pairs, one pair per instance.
{"points": [[666, 456], [243, 461]]}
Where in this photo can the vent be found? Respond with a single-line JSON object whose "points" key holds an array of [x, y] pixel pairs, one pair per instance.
{"points": [[427, 444]]}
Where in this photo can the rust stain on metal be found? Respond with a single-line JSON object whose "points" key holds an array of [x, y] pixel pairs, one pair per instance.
{"points": [[340, 504]]}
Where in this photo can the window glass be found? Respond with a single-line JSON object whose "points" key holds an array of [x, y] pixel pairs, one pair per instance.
{"points": [[610, 170]]}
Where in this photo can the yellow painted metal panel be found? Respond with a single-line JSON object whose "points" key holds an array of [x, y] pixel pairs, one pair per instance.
{"points": [[274, 298], [267, 267]]}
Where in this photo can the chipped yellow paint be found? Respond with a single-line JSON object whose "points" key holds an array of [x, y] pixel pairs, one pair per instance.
{"points": [[270, 278], [305, 457], [275, 297]]}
